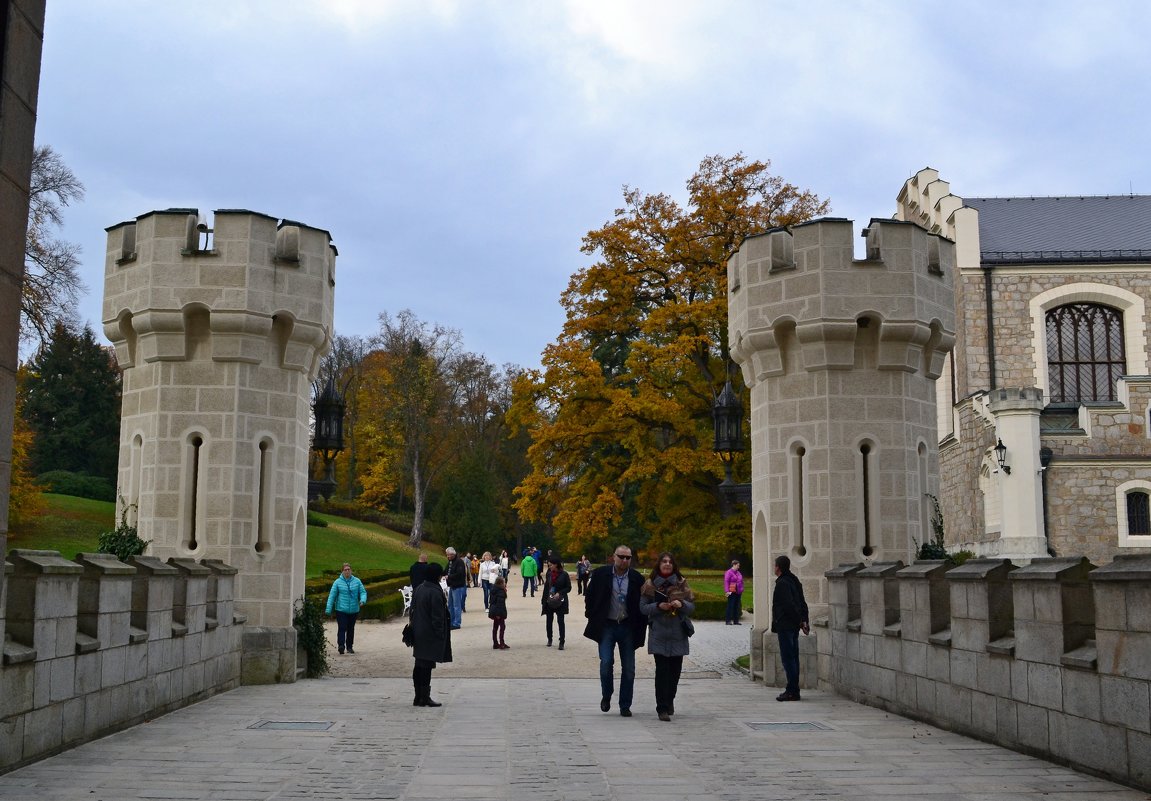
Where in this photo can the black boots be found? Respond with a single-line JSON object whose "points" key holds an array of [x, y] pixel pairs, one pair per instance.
{"points": [[561, 645], [422, 681]]}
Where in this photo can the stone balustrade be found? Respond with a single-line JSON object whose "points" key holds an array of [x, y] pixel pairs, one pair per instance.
{"points": [[95, 645], [1052, 658]]}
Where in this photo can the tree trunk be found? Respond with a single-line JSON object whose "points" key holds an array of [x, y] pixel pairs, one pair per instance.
{"points": [[418, 489]]}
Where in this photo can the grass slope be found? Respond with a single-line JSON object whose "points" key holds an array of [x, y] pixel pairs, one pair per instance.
{"points": [[73, 525]]}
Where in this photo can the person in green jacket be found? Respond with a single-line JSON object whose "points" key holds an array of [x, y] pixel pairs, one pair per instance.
{"points": [[529, 569], [347, 596]]}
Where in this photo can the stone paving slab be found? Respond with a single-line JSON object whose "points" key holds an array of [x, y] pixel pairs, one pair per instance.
{"points": [[540, 738]]}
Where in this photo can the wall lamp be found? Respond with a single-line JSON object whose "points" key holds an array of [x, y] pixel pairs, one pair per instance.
{"points": [[1001, 457]]}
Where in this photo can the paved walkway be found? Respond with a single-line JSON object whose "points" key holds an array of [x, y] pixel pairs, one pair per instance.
{"points": [[539, 736]]}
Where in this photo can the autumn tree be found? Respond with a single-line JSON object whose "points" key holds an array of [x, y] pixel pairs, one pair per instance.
{"points": [[52, 282], [25, 500], [621, 414], [410, 401]]}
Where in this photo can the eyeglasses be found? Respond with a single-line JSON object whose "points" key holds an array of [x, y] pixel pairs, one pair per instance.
{"points": [[623, 556]]}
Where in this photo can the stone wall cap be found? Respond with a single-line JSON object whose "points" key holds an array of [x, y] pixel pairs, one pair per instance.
{"points": [[181, 212], [104, 563], [775, 230], [27, 560], [1053, 569], [1126, 567], [189, 567], [219, 567], [153, 566], [844, 570], [925, 568], [819, 220], [245, 211], [981, 569], [881, 569]]}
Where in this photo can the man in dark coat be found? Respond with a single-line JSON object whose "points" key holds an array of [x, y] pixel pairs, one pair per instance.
{"points": [[431, 633], [418, 571], [788, 618], [457, 586], [611, 606]]}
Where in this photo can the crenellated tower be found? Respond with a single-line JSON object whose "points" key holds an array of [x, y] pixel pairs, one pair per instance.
{"points": [[220, 333], [841, 356]]}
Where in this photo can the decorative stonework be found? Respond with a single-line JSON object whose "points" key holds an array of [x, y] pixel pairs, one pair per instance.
{"points": [[220, 333], [841, 356]]}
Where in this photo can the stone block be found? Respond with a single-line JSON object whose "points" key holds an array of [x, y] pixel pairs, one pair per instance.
{"points": [[1033, 726], [136, 661], [963, 668], [18, 696], [1139, 758], [88, 673], [939, 663], [993, 674], [62, 678], [1124, 654], [1045, 686], [984, 714], [1038, 642], [1089, 743], [72, 719], [43, 729], [954, 704], [1126, 702], [867, 644], [906, 695], [1081, 693], [914, 656], [11, 740], [925, 690], [97, 713], [42, 684], [1019, 682], [888, 653], [1006, 721]]}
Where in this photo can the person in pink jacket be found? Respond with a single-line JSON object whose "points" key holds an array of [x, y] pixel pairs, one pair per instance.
{"points": [[733, 590]]}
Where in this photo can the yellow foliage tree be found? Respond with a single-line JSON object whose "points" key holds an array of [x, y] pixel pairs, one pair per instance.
{"points": [[24, 500], [621, 414]]}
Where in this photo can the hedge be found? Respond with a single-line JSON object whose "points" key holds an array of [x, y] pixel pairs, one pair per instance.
{"points": [[79, 485], [384, 598]]}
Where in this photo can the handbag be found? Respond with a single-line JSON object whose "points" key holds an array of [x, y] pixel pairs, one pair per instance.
{"points": [[555, 602], [688, 626], [407, 636]]}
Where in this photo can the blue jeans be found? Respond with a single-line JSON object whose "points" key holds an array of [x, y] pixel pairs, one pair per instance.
{"points": [[456, 605], [345, 630], [487, 591], [532, 581], [617, 634], [733, 610], [789, 655]]}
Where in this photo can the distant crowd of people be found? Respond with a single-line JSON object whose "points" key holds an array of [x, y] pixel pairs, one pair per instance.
{"points": [[624, 610]]}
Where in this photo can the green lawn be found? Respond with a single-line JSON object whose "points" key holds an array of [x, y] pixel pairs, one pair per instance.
{"points": [[72, 525], [711, 582], [69, 525]]}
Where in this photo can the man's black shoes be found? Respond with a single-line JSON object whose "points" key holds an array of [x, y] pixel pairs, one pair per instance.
{"points": [[604, 704], [625, 713]]}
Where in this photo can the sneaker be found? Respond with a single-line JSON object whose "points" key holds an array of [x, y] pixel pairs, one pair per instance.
{"points": [[625, 713], [665, 717], [604, 704], [787, 697], [341, 652], [350, 651]]}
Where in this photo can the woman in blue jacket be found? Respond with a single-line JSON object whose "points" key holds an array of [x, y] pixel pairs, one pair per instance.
{"points": [[347, 596]]}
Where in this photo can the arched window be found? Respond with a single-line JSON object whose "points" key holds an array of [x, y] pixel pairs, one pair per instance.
{"points": [[1085, 354], [1138, 513]]}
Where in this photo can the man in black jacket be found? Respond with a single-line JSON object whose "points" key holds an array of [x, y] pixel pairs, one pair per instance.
{"points": [[788, 618], [611, 606], [457, 586]]}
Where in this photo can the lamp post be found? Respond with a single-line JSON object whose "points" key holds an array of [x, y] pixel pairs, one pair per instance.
{"points": [[328, 439], [728, 416]]}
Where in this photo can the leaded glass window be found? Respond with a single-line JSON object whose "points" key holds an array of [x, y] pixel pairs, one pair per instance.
{"points": [[1085, 354], [1138, 513]]}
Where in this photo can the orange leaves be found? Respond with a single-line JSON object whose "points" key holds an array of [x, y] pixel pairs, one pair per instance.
{"points": [[620, 416]]}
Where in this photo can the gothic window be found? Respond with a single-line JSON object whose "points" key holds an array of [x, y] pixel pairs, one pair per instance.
{"points": [[1085, 355], [1138, 513]]}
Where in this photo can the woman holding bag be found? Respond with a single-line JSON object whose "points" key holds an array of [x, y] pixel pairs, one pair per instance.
{"points": [[556, 586], [668, 603]]}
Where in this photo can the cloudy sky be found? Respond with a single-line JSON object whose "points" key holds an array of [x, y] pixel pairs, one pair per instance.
{"points": [[458, 150]]}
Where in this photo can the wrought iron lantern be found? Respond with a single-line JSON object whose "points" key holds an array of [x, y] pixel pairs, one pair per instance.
{"points": [[728, 416], [328, 439], [1001, 457]]}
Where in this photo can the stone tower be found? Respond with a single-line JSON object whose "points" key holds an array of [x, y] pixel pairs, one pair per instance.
{"points": [[220, 333], [841, 356]]}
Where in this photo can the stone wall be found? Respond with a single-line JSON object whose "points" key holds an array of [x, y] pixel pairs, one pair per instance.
{"points": [[1051, 659], [96, 645]]}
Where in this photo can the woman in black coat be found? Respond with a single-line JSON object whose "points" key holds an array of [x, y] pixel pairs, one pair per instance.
{"points": [[431, 632], [556, 585]]}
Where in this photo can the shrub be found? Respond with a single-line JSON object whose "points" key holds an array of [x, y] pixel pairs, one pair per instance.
{"points": [[123, 542], [307, 617], [81, 485], [316, 521], [710, 607]]}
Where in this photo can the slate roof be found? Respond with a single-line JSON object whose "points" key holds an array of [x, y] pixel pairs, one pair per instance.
{"points": [[1054, 229]]}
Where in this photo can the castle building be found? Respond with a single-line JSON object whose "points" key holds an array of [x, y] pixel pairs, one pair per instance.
{"points": [[1049, 368]]}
